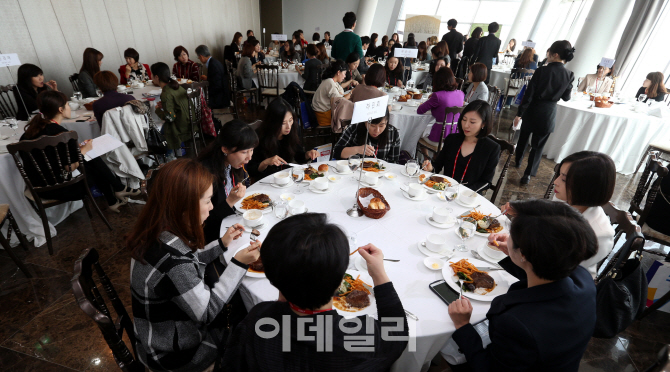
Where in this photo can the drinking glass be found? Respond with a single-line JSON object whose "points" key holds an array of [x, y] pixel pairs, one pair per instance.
{"points": [[77, 95], [353, 238], [298, 174], [98, 92], [379, 59], [281, 209], [12, 123], [354, 163], [465, 230], [411, 168], [641, 97], [429, 89]]}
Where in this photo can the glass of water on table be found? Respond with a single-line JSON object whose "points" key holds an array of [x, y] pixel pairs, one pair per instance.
{"points": [[297, 175], [465, 231], [354, 163]]}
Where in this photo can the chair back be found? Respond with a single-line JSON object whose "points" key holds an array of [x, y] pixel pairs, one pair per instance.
{"points": [[268, 78], [453, 111], [256, 124], [194, 116], [204, 87], [463, 68], [624, 225], [7, 107], [504, 146], [74, 80], [92, 304], [550, 188], [459, 81], [494, 96], [145, 184], [649, 186]]}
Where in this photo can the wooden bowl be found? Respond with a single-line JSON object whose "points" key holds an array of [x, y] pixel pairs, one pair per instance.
{"points": [[89, 106], [372, 213], [417, 96], [603, 103]]}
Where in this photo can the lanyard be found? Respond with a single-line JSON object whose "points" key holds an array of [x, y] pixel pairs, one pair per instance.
{"points": [[453, 171], [470, 95], [307, 312], [233, 183]]}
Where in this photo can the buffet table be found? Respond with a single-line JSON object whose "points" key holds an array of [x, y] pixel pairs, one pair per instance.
{"points": [[398, 234]]}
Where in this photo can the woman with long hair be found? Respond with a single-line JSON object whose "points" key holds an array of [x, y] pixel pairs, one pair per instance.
{"points": [[372, 48], [289, 53], [470, 46], [422, 55], [395, 37], [383, 140], [322, 54], [279, 143], [29, 83], [653, 87], [329, 89], [173, 108], [181, 315], [183, 67], [526, 60], [510, 46], [353, 77], [382, 49], [226, 158], [394, 72], [133, 70], [54, 108], [90, 67]]}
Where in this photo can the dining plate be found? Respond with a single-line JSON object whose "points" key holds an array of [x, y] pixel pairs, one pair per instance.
{"points": [[502, 286], [407, 196], [451, 181], [238, 205], [370, 310], [434, 223], [381, 162], [250, 273], [446, 252]]}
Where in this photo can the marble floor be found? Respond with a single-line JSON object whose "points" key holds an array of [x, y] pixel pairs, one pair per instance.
{"points": [[43, 329]]}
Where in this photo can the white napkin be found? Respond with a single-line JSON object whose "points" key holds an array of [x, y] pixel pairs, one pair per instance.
{"points": [[450, 349], [660, 111], [366, 200]]}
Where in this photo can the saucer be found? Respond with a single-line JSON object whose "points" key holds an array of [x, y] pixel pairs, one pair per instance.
{"points": [[439, 225], [281, 186], [313, 189], [446, 252], [291, 214], [430, 261], [459, 202], [369, 185], [404, 173], [338, 172], [260, 227], [482, 252], [406, 195]]}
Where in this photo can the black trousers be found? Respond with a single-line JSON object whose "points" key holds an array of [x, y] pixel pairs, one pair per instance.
{"points": [[537, 143], [98, 173]]}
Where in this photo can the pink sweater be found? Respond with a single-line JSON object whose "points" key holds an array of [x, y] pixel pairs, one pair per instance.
{"points": [[437, 103]]}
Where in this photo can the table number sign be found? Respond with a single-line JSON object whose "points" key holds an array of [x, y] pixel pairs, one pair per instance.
{"points": [[405, 52], [529, 44], [369, 109], [279, 37], [607, 62], [11, 59]]}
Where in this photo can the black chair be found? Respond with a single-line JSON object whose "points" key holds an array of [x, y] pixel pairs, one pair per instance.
{"points": [[5, 215], [550, 188], [194, 119], [650, 187], [74, 80], [315, 131], [504, 146], [624, 225], [90, 301], [27, 149], [7, 107], [238, 95], [661, 147], [424, 144]]}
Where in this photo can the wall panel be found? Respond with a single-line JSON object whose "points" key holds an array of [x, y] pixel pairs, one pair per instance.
{"points": [[100, 32]]}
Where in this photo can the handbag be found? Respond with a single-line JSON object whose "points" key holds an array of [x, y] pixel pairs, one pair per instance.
{"points": [[622, 292], [155, 140]]}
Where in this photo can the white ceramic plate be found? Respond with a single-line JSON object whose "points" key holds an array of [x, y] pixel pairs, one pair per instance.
{"points": [[251, 274], [451, 180], [446, 253], [277, 186], [383, 163], [440, 225], [317, 191], [459, 202], [238, 205], [406, 195], [429, 261], [370, 310], [501, 284]]}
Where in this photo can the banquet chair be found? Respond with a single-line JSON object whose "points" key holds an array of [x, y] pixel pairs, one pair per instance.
{"points": [[91, 302], [74, 80], [550, 188], [268, 82], [194, 118], [238, 94], [662, 147], [517, 80], [650, 187], [504, 146], [625, 225], [37, 148], [7, 107], [494, 96], [428, 145], [460, 82], [313, 132], [145, 184], [663, 362], [6, 215]]}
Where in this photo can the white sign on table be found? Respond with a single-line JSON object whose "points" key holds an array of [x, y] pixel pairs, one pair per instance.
{"points": [[369, 109], [279, 37], [11, 59], [405, 52], [607, 62], [529, 44], [323, 152]]}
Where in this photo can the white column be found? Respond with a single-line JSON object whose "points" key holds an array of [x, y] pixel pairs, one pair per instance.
{"points": [[364, 16], [540, 19], [523, 22], [602, 23]]}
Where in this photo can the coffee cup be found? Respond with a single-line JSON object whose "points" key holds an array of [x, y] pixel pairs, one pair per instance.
{"points": [[342, 166], [442, 215], [416, 190], [371, 178], [493, 251], [320, 183], [253, 217], [74, 106], [282, 178], [396, 106], [436, 242], [468, 196], [296, 206], [120, 88]]}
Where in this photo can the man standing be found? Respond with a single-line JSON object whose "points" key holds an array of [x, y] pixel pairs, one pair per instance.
{"points": [[454, 40], [219, 87], [487, 49], [347, 41]]}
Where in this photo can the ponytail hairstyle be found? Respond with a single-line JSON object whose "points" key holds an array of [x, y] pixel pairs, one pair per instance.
{"points": [[162, 72], [49, 104], [335, 67], [564, 50]]}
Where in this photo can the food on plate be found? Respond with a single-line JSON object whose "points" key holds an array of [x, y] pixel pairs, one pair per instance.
{"points": [[312, 174], [485, 223], [429, 183], [377, 203], [352, 295], [402, 99], [474, 280], [257, 266], [373, 166], [422, 177], [323, 168], [435, 182], [256, 201]]}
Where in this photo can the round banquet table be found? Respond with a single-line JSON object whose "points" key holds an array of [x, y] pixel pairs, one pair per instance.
{"points": [[411, 125], [419, 76], [397, 234], [498, 76], [617, 131], [286, 78]]}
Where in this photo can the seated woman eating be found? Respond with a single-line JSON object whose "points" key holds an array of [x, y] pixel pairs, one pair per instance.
{"points": [[353, 77], [309, 250], [30, 83], [173, 108], [478, 89], [374, 79], [53, 108], [328, 89], [445, 94], [600, 82], [545, 320], [383, 140], [653, 87], [278, 141], [394, 72], [225, 159], [133, 70], [179, 319], [469, 155]]}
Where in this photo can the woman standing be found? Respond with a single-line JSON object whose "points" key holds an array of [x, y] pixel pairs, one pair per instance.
{"points": [[445, 94], [225, 159], [30, 83], [90, 67], [133, 70], [173, 108], [180, 319], [470, 46], [234, 49], [328, 89], [184, 68], [383, 140], [653, 87], [477, 90], [538, 108]]}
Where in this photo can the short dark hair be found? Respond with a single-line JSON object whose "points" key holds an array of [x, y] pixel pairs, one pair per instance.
{"points": [[452, 22], [444, 79], [248, 49], [554, 237], [335, 67], [352, 57], [131, 53], [177, 52], [365, 40], [349, 19], [494, 27], [483, 109], [106, 81], [479, 72], [249, 32], [316, 36], [306, 249], [564, 50], [376, 76], [311, 50], [202, 50], [591, 178]]}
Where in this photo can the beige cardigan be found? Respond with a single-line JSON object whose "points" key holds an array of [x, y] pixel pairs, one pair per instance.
{"points": [[590, 80]]}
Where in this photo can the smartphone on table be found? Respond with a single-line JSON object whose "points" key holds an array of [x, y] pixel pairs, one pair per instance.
{"points": [[444, 291]]}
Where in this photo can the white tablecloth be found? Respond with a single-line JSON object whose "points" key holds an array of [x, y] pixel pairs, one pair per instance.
{"points": [[285, 78], [410, 125], [419, 77], [497, 78], [616, 131], [397, 234]]}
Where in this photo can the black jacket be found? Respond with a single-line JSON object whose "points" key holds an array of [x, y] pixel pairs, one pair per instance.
{"points": [[229, 53], [454, 40], [482, 165], [548, 84], [543, 328], [487, 50], [28, 97], [470, 48], [311, 74], [219, 87], [260, 154]]}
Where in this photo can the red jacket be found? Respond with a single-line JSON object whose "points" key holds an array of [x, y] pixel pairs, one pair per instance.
{"points": [[122, 72]]}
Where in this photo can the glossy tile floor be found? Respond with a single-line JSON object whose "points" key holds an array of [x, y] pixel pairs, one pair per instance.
{"points": [[43, 329]]}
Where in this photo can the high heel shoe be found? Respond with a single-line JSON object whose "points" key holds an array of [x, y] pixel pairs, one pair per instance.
{"points": [[118, 204], [123, 194]]}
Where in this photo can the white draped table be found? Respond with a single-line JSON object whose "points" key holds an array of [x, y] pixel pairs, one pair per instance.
{"points": [[397, 234], [498, 76], [410, 125], [285, 78], [616, 131]]}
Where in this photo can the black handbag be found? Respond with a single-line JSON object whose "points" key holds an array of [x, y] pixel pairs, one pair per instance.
{"points": [[622, 292], [155, 140]]}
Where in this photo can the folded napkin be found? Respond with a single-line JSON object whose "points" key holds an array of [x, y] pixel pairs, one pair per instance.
{"points": [[660, 111], [450, 350]]}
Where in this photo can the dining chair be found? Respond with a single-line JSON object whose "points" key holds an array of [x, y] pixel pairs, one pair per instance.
{"points": [[74, 80], [425, 144], [550, 188], [238, 94], [31, 151], [460, 82], [6, 215], [650, 187], [194, 119], [90, 301], [625, 225], [494, 96], [313, 132], [662, 147], [268, 82], [504, 146], [7, 107]]}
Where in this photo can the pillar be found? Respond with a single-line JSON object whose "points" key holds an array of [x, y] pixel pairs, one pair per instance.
{"points": [[523, 22], [364, 17], [540, 20]]}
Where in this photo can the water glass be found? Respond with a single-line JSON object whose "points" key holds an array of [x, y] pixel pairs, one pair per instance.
{"points": [[78, 96], [281, 209], [429, 89], [411, 167], [297, 174], [641, 97], [466, 230], [12, 123]]}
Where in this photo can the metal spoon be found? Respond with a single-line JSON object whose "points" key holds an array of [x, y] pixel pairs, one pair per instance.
{"points": [[391, 260], [478, 256]]}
